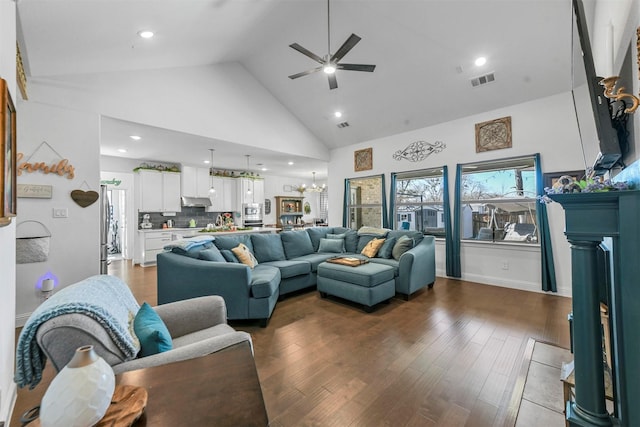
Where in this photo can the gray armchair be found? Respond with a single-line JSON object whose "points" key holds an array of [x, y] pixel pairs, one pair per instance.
{"points": [[197, 326]]}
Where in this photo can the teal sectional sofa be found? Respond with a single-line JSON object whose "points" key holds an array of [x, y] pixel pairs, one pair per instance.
{"points": [[286, 262]]}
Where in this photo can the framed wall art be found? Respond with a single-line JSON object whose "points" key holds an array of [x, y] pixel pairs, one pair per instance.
{"points": [[7, 155], [548, 179], [363, 160], [493, 135]]}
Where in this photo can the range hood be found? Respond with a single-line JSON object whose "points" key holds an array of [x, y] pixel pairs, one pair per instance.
{"points": [[195, 202]]}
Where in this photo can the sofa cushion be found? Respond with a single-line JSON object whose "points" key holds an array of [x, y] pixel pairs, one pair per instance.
{"points": [[317, 233], [230, 242], [245, 255], [390, 262], [387, 247], [372, 231], [372, 247], [315, 259], [403, 244], [267, 247], [229, 256], [296, 243], [331, 245], [417, 236], [151, 331], [211, 254], [291, 268], [350, 239], [265, 280]]}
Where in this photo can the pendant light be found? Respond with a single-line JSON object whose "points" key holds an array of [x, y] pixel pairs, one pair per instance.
{"points": [[212, 189], [248, 187], [315, 187]]}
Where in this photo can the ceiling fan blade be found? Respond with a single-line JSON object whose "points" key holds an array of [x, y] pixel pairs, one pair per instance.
{"points": [[356, 67], [333, 83], [306, 52], [304, 73], [345, 48]]}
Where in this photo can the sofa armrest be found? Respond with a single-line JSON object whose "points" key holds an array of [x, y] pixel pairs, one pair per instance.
{"points": [[197, 349], [417, 266], [187, 316], [181, 278]]}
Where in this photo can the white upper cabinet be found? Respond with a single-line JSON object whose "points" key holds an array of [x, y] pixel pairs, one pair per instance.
{"points": [[257, 191], [157, 191], [195, 181]]}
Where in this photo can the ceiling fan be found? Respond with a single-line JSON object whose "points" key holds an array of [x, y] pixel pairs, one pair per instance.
{"points": [[330, 63]]}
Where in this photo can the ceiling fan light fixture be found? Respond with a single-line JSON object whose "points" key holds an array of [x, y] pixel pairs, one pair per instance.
{"points": [[329, 68]]}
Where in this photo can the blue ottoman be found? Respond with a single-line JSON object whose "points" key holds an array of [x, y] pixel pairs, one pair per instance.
{"points": [[367, 284]]}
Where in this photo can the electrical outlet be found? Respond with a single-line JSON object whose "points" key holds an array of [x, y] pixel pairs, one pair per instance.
{"points": [[60, 212], [505, 265]]}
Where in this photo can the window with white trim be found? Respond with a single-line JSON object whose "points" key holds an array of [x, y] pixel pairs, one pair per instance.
{"points": [[498, 201], [419, 201]]}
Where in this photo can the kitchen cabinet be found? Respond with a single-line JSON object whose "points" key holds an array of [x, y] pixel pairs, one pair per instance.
{"points": [[195, 182], [288, 211], [157, 191], [226, 197], [151, 243], [257, 190]]}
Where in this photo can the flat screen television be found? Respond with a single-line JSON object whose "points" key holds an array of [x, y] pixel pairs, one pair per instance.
{"points": [[599, 136]]}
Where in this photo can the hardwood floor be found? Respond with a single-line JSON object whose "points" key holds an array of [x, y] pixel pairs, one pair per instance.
{"points": [[448, 357]]}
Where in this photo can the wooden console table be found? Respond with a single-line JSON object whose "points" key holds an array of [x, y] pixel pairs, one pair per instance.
{"points": [[220, 389], [590, 217]]}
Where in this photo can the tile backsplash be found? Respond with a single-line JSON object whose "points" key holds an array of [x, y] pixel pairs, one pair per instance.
{"points": [[181, 219]]}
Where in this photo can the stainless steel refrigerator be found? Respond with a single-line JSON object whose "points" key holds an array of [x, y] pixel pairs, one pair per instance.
{"points": [[104, 228]]}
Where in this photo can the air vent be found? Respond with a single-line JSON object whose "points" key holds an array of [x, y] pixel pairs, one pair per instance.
{"points": [[483, 80], [343, 125]]}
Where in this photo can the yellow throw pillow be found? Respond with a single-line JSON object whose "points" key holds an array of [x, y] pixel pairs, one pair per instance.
{"points": [[372, 247], [245, 256]]}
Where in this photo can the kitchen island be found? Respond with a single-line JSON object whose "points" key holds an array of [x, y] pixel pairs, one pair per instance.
{"points": [[152, 241]]}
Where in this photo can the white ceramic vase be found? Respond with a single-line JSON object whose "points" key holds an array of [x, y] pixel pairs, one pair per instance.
{"points": [[80, 394]]}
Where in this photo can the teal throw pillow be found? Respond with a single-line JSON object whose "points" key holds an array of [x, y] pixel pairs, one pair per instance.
{"points": [[331, 245], [229, 256], [211, 254], [403, 244], [387, 247], [151, 331]]}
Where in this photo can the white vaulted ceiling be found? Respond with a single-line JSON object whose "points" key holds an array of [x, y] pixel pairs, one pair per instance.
{"points": [[423, 51]]}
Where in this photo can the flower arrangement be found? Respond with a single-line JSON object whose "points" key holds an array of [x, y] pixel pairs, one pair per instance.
{"points": [[157, 167], [566, 184]]}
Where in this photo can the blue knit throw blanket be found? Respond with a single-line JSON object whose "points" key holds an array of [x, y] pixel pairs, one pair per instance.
{"points": [[104, 298]]}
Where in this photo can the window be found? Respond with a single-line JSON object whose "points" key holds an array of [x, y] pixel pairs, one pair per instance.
{"points": [[365, 204], [419, 201], [499, 201]]}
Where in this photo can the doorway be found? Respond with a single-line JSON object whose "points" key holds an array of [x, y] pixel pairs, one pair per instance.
{"points": [[117, 241]]}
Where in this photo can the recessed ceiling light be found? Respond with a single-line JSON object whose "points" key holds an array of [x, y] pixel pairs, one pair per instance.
{"points": [[135, 137], [207, 162], [480, 61], [264, 169], [145, 34], [290, 163], [338, 114], [122, 150]]}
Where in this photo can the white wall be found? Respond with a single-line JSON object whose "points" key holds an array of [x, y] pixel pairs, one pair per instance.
{"points": [[547, 126], [8, 233], [220, 101], [74, 243]]}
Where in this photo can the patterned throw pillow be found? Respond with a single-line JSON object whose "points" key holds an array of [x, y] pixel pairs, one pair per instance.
{"points": [[244, 255], [372, 248]]}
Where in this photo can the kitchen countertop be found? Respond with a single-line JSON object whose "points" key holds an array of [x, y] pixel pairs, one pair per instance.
{"points": [[196, 230]]}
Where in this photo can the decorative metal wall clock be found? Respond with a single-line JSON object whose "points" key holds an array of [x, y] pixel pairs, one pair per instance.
{"points": [[419, 150]]}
